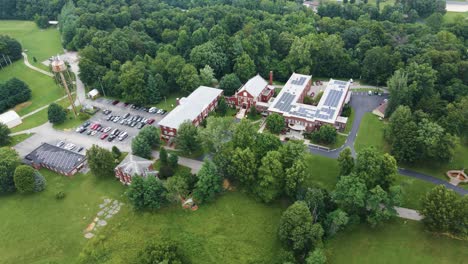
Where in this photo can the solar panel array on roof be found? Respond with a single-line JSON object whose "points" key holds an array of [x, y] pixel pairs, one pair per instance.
{"points": [[340, 82], [299, 81], [325, 113], [285, 101], [333, 98]]}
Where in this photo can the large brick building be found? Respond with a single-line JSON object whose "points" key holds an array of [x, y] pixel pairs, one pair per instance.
{"points": [[303, 117], [193, 108], [255, 92]]}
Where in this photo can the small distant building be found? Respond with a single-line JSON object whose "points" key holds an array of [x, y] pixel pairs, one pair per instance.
{"points": [[10, 119], [255, 92], [134, 166], [54, 158], [93, 94], [312, 4], [193, 108], [53, 22], [380, 110], [302, 117]]}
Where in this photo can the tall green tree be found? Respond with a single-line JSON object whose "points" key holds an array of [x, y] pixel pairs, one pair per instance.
{"points": [[294, 177], [56, 114], [270, 180], [209, 182], [291, 151], [244, 67], [295, 227], [402, 135], [188, 80], [187, 138], [275, 123], [163, 251], [218, 131], [140, 147], [9, 160], [4, 135], [100, 161], [207, 77], [375, 168], [146, 193], [350, 194], [151, 135], [24, 179], [242, 166], [153, 88], [229, 84], [244, 135], [346, 162]]}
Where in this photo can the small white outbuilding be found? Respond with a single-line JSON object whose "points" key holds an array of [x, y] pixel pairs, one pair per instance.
{"points": [[10, 118], [93, 94]]}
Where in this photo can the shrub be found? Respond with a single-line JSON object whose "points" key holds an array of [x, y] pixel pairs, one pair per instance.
{"points": [[60, 195], [56, 114], [24, 179], [39, 182]]}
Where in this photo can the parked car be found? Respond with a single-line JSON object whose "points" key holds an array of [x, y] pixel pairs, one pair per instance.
{"points": [[60, 144], [116, 119], [122, 121], [150, 121], [78, 129], [110, 138], [80, 149], [103, 136], [163, 112], [94, 132], [140, 125], [122, 137], [115, 102], [82, 130], [89, 132], [86, 124], [133, 124], [125, 104], [107, 129], [126, 115]]}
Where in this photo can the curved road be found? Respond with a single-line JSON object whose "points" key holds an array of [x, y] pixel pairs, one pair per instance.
{"points": [[363, 103]]}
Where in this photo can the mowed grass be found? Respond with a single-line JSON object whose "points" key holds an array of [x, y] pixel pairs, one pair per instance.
{"points": [[349, 123], [19, 138], [371, 133], [43, 88], [38, 118], [321, 172], [169, 102], [398, 241], [454, 16], [414, 190], [38, 228], [233, 229], [39, 43]]}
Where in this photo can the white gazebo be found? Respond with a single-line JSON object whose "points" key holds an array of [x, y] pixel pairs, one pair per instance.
{"points": [[10, 118]]}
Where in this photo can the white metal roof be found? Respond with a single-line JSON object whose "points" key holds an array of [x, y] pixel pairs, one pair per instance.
{"points": [[93, 92], [191, 107], [134, 165], [254, 86], [9, 116]]}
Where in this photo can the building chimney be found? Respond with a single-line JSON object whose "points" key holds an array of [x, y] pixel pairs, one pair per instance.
{"points": [[271, 77], [177, 101]]}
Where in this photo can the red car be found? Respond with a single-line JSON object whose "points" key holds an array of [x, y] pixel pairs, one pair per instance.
{"points": [[150, 121], [104, 136], [96, 126], [115, 102]]}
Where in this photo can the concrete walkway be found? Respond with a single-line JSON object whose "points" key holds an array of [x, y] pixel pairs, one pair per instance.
{"points": [[408, 213], [26, 62], [41, 108]]}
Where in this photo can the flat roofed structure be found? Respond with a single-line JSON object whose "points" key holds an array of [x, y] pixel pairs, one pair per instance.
{"points": [[54, 158], [10, 119], [289, 100], [194, 108], [191, 106]]}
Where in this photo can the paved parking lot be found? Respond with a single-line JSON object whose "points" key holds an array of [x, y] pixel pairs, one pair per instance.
{"points": [[118, 110]]}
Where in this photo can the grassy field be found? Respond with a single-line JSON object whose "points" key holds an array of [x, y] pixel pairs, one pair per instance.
{"points": [[413, 191], [169, 102], [371, 133], [399, 241], [340, 140], [19, 138], [233, 229], [322, 171], [349, 123], [73, 122], [40, 44], [43, 88], [453, 16], [37, 228], [38, 118]]}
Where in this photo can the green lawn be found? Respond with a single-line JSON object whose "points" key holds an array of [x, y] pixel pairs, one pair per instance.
{"points": [[19, 138], [40, 43], [44, 90], [413, 190], [37, 119], [73, 122], [349, 123], [340, 140], [233, 229], [321, 171], [453, 16], [400, 241], [169, 102], [37, 228], [371, 133]]}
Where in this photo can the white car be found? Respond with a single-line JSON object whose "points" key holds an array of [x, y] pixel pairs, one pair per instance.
{"points": [[93, 133], [107, 129]]}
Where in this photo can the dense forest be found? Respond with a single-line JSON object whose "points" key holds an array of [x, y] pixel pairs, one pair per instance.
{"points": [[9, 47], [144, 50]]}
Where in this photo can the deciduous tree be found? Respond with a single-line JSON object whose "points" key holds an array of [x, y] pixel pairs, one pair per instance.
{"points": [[270, 180], [4, 135], [187, 137], [346, 162], [229, 84], [295, 227], [24, 179], [56, 114], [209, 182], [275, 123], [100, 161]]}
